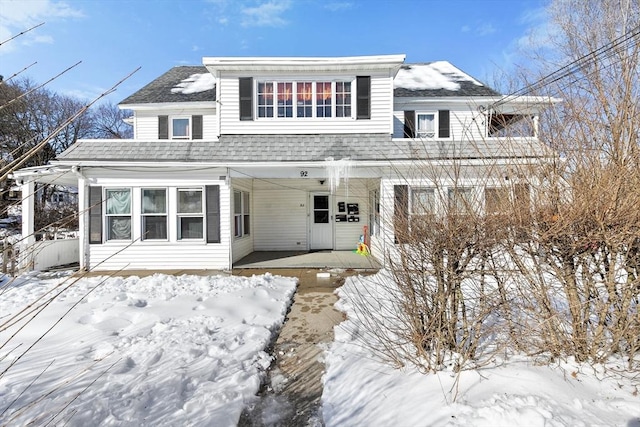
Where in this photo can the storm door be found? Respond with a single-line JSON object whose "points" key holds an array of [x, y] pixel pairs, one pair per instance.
{"points": [[321, 222]]}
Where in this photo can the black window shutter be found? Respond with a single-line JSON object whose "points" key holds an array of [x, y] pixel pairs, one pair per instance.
{"points": [[443, 124], [163, 127], [213, 213], [246, 98], [401, 212], [196, 127], [409, 124], [363, 97], [95, 214]]}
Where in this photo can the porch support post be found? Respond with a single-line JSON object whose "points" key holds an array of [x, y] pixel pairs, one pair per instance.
{"points": [[83, 212], [28, 225]]}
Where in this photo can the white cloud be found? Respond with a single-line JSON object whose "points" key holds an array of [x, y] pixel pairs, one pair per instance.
{"points": [[336, 6], [485, 29], [266, 15], [17, 16]]}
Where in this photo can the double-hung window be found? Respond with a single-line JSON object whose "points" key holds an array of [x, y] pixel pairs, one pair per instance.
{"points": [[154, 214], [496, 200], [190, 214], [426, 125], [241, 216], [422, 208], [343, 99], [460, 201], [118, 213], [265, 99]]}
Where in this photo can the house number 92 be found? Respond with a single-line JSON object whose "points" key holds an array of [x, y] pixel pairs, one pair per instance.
{"points": [[304, 174]]}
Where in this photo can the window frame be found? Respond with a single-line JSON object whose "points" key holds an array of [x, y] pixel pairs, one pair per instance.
{"points": [[419, 133], [172, 127], [108, 216], [144, 215], [180, 215]]}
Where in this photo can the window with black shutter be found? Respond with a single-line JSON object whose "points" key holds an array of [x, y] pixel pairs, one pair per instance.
{"points": [[196, 127], [409, 124], [443, 124], [363, 97], [213, 213], [95, 215], [163, 127], [246, 98]]}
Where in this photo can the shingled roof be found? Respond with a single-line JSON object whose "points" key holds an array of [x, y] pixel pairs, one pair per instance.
{"points": [[305, 148], [437, 79], [192, 83]]}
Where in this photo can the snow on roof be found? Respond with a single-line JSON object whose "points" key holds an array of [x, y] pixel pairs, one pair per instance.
{"points": [[195, 83], [434, 75]]}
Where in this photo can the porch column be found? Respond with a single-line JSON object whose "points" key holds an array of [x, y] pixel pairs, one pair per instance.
{"points": [[83, 223], [28, 225]]}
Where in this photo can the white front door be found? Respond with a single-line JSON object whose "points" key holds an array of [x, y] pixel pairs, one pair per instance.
{"points": [[321, 221]]}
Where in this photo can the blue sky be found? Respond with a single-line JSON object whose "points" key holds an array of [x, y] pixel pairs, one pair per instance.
{"points": [[114, 37]]}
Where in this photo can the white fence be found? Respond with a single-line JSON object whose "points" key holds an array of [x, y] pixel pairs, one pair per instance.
{"points": [[51, 253]]}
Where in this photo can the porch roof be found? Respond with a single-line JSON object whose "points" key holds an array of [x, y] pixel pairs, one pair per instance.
{"points": [[229, 149]]}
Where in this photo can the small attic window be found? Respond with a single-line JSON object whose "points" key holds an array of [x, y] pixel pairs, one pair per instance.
{"points": [[180, 127]]}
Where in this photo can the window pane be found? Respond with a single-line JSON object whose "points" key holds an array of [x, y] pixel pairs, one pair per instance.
{"points": [[422, 201], [119, 228], [189, 201], [343, 99], [246, 224], [180, 128], [190, 227], [285, 99], [496, 200], [119, 202], [460, 200], [323, 99], [245, 203], [321, 217], [320, 202], [426, 125], [154, 227], [304, 99], [237, 202], [154, 201], [265, 99]]}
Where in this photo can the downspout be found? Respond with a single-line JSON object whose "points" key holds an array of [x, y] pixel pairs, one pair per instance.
{"points": [[82, 218]]}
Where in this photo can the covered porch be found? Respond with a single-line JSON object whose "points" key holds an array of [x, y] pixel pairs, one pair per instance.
{"points": [[327, 259]]}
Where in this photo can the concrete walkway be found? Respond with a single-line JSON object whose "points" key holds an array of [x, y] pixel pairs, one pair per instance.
{"points": [[291, 396]]}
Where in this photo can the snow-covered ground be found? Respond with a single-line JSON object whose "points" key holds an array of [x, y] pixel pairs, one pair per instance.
{"points": [[514, 391], [157, 351], [190, 350]]}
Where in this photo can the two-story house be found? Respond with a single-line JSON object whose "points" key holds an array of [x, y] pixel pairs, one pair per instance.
{"points": [[276, 154]]}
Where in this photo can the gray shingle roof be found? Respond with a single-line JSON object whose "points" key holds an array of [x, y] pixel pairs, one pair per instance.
{"points": [[160, 89], [288, 148]]}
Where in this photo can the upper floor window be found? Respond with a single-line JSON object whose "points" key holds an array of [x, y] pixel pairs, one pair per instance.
{"points": [[303, 99], [426, 125], [180, 127]]}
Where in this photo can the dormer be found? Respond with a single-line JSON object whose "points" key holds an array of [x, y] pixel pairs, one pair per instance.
{"points": [[179, 105], [305, 95]]}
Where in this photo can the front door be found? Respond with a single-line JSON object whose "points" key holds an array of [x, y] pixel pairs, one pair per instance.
{"points": [[321, 222]]}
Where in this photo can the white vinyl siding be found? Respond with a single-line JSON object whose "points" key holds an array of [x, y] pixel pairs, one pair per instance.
{"points": [[381, 109], [146, 122], [281, 214]]}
